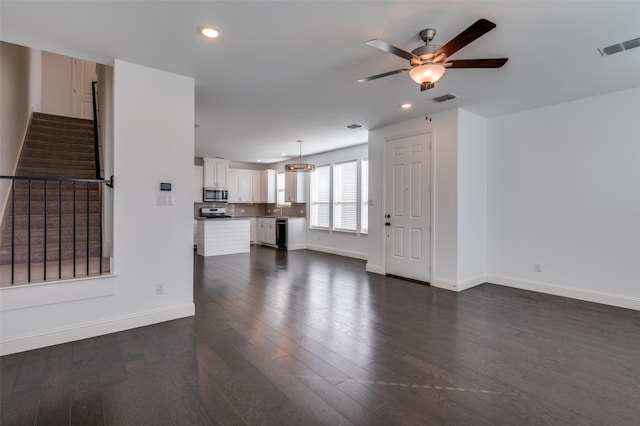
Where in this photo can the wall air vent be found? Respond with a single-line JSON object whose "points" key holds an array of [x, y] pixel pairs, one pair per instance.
{"points": [[444, 98], [619, 47]]}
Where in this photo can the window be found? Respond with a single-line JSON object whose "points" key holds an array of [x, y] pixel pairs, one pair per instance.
{"points": [[345, 190], [320, 197], [338, 198], [364, 195]]}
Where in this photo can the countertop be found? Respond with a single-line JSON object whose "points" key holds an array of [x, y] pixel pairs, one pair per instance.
{"points": [[221, 218]]}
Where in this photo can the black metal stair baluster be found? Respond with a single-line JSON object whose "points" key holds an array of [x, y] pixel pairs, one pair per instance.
{"points": [[100, 221], [59, 229], [74, 228], [29, 234], [44, 271], [13, 229], [87, 228]]}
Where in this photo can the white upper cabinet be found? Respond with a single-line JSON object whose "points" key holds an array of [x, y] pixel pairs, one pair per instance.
{"points": [[215, 172], [268, 190], [295, 187]]}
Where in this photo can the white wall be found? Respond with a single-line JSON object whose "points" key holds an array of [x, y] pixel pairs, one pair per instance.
{"points": [[341, 243], [19, 69], [153, 142], [564, 191], [444, 220], [472, 199], [57, 84]]}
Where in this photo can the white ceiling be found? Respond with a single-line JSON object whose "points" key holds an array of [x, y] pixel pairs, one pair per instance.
{"points": [[287, 70]]}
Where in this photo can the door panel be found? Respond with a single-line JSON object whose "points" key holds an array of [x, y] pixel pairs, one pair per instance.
{"points": [[85, 74], [408, 204]]}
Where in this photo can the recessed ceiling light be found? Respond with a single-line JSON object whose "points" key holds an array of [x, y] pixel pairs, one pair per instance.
{"points": [[284, 154], [406, 106], [353, 126], [258, 161], [209, 31]]}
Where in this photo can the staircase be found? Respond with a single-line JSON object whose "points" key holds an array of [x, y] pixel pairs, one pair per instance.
{"points": [[57, 232]]}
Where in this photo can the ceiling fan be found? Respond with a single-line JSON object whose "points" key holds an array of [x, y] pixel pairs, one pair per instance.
{"points": [[428, 62]]}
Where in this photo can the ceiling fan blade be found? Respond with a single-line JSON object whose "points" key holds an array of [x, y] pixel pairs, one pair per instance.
{"points": [[476, 30], [476, 63], [373, 77], [383, 45]]}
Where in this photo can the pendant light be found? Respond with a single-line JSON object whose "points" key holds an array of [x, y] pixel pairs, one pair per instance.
{"points": [[299, 166]]}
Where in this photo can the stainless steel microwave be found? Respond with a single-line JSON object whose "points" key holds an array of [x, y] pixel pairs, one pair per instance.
{"points": [[219, 195]]}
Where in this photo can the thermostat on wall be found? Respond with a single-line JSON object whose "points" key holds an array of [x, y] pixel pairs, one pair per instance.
{"points": [[164, 186]]}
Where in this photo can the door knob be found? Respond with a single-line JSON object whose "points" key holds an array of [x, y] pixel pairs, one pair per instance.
{"points": [[388, 216]]}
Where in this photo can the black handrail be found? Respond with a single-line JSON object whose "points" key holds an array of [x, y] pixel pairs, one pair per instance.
{"points": [[30, 181], [96, 128]]}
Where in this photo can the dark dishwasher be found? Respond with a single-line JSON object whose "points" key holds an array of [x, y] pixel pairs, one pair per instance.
{"points": [[281, 233]]}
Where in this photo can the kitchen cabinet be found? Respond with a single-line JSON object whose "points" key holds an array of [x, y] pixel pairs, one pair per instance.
{"points": [[215, 172], [245, 186], [295, 187], [240, 186], [267, 230], [233, 185], [222, 236], [198, 172], [296, 233], [255, 187], [253, 235], [268, 189]]}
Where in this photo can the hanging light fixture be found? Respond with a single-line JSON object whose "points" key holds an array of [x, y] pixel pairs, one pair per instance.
{"points": [[299, 166], [427, 73]]}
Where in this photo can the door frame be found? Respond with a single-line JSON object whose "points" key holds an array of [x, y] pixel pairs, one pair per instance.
{"points": [[432, 152]]}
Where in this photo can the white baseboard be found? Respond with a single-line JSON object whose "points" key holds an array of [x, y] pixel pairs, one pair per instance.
{"points": [[339, 252], [296, 246], [94, 328], [471, 282], [447, 285], [376, 269], [570, 292]]}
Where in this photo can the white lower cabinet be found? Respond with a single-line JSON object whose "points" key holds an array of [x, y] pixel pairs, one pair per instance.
{"points": [[253, 235], [266, 231], [296, 233]]}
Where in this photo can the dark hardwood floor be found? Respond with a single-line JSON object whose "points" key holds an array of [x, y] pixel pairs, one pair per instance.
{"points": [[302, 338]]}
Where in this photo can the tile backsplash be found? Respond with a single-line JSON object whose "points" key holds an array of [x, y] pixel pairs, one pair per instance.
{"points": [[256, 210]]}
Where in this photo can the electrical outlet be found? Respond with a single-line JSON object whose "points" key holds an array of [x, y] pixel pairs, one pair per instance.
{"points": [[159, 289], [537, 267]]}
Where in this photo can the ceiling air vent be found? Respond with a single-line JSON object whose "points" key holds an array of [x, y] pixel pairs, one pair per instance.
{"points": [[445, 98], [619, 47], [353, 126]]}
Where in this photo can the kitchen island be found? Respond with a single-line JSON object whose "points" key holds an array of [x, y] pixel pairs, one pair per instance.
{"points": [[220, 236]]}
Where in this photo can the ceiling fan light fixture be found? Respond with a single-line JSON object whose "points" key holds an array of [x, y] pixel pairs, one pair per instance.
{"points": [[300, 167], [427, 73]]}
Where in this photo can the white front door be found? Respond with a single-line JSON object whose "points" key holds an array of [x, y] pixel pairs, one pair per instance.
{"points": [[84, 75], [408, 206]]}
